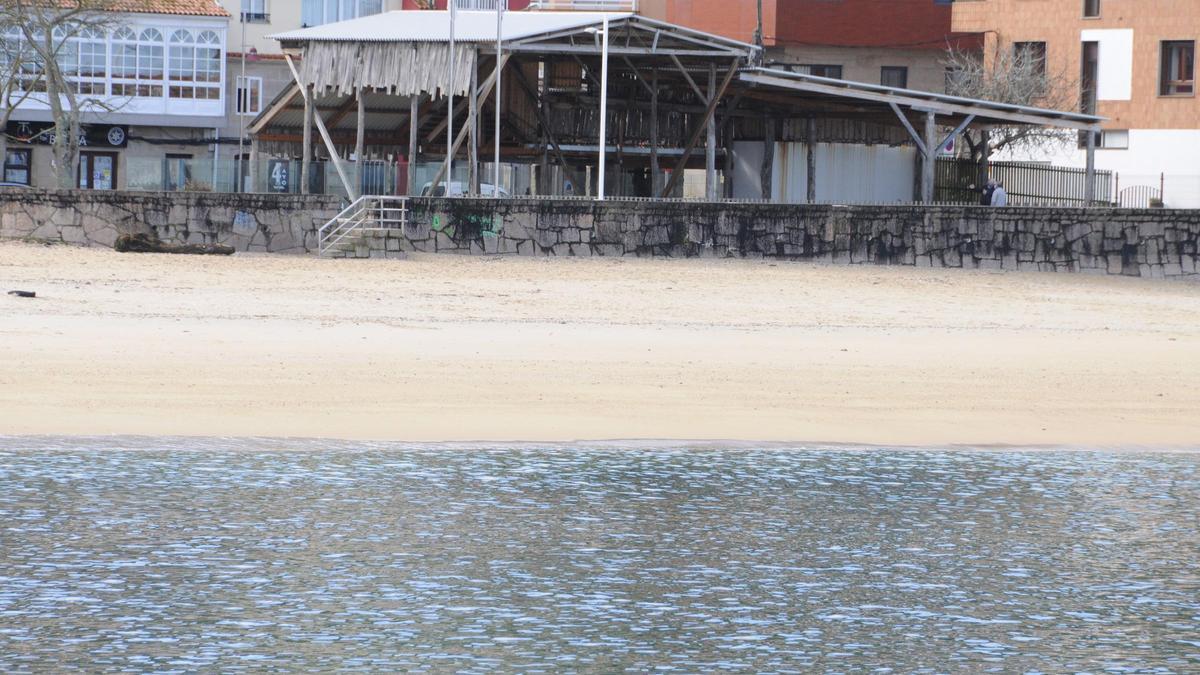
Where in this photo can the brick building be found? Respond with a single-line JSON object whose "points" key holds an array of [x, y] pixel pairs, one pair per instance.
{"points": [[1135, 61]]}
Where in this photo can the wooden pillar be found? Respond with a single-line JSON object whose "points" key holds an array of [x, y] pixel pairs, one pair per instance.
{"points": [[1089, 188], [306, 157], [810, 145], [930, 159], [655, 170], [985, 170], [473, 131], [730, 168], [710, 145], [544, 183], [768, 161], [414, 126], [359, 136], [253, 164]]}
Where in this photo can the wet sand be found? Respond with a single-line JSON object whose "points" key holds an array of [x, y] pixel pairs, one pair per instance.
{"points": [[446, 348]]}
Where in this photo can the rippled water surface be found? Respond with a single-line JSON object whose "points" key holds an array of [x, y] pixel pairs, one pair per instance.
{"points": [[259, 555]]}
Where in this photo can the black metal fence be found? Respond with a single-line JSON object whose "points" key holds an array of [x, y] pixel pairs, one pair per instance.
{"points": [[959, 181]]}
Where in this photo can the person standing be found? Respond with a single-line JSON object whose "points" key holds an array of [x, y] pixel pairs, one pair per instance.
{"points": [[986, 199], [999, 196]]}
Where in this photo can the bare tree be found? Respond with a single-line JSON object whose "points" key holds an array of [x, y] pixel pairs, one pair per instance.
{"points": [[50, 30], [14, 59], [1018, 74]]}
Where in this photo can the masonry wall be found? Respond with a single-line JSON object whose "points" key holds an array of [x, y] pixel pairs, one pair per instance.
{"points": [[1148, 243], [258, 222]]}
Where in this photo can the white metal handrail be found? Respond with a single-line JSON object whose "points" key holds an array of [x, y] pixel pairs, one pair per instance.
{"points": [[369, 212]]}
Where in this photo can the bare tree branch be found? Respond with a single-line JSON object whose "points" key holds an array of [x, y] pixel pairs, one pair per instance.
{"points": [[1014, 74]]}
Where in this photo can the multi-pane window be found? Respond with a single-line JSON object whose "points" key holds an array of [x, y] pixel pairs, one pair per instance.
{"points": [[894, 76], [1089, 74], [93, 62], [1178, 76], [249, 95], [182, 65], [822, 70], [317, 12], [208, 66], [16, 166], [1031, 57], [255, 11]]}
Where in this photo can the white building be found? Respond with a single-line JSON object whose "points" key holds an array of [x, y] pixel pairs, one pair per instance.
{"points": [[153, 87]]}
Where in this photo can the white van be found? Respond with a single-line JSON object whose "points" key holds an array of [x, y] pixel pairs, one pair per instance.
{"points": [[458, 189]]}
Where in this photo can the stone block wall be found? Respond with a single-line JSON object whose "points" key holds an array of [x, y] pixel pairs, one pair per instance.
{"points": [[257, 222], [1146, 242]]}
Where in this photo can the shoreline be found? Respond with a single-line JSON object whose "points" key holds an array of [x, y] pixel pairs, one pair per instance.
{"points": [[297, 443], [443, 348]]}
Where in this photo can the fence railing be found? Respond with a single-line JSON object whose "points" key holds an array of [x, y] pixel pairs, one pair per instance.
{"points": [[959, 180], [587, 5]]}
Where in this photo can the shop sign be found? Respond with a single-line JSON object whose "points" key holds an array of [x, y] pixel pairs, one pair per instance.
{"points": [[90, 135], [279, 175]]}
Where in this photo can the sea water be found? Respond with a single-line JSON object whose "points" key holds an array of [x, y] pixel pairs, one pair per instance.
{"points": [[251, 555]]}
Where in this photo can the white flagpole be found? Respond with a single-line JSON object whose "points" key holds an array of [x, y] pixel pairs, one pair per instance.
{"points": [[450, 108], [603, 106], [496, 133]]}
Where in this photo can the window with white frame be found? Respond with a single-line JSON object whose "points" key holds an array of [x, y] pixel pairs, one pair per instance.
{"points": [[138, 62], [181, 65], [249, 95], [208, 66], [255, 11], [318, 12]]}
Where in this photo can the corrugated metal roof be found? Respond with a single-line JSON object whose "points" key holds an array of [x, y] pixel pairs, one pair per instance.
{"points": [[852, 89], [434, 26]]}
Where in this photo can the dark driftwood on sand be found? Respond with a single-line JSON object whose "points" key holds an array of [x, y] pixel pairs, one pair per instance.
{"points": [[144, 243], [23, 294]]}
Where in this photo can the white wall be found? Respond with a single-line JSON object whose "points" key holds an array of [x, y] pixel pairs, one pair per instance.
{"points": [[1115, 81], [1169, 155], [846, 173]]}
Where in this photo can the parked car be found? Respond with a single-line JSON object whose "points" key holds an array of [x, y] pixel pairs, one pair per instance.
{"points": [[458, 189]]}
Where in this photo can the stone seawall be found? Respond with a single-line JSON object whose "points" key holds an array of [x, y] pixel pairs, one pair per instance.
{"points": [[258, 222], [1149, 242]]}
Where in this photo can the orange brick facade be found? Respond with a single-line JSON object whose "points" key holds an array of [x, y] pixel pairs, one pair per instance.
{"points": [[1060, 24]]}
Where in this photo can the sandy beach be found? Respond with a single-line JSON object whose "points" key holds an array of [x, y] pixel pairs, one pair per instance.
{"points": [[446, 348]]}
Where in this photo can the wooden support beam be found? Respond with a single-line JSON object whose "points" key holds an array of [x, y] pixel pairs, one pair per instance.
{"points": [[810, 143], [637, 75], [655, 170], [677, 174], [688, 77], [710, 143], [767, 182], [484, 90], [359, 138], [473, 134], [930, 159], [911, 131], [306, 155], [333, 155], [414, 124]]}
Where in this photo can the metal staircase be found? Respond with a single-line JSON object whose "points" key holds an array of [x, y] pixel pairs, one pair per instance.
{"points": [[369, 213]]}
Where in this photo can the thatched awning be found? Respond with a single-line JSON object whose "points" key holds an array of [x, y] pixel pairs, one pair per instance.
{"points": [[398, 68]]}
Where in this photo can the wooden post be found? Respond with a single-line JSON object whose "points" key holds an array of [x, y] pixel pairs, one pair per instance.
{"points": [[306, 157], [359, 135], [1089, 188], [768, 161], [655, 171], [730, 166], [254, 164], [414, 125], [810, 143], [986, 169], [710, 142], [929, 164], [473, 131]]}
